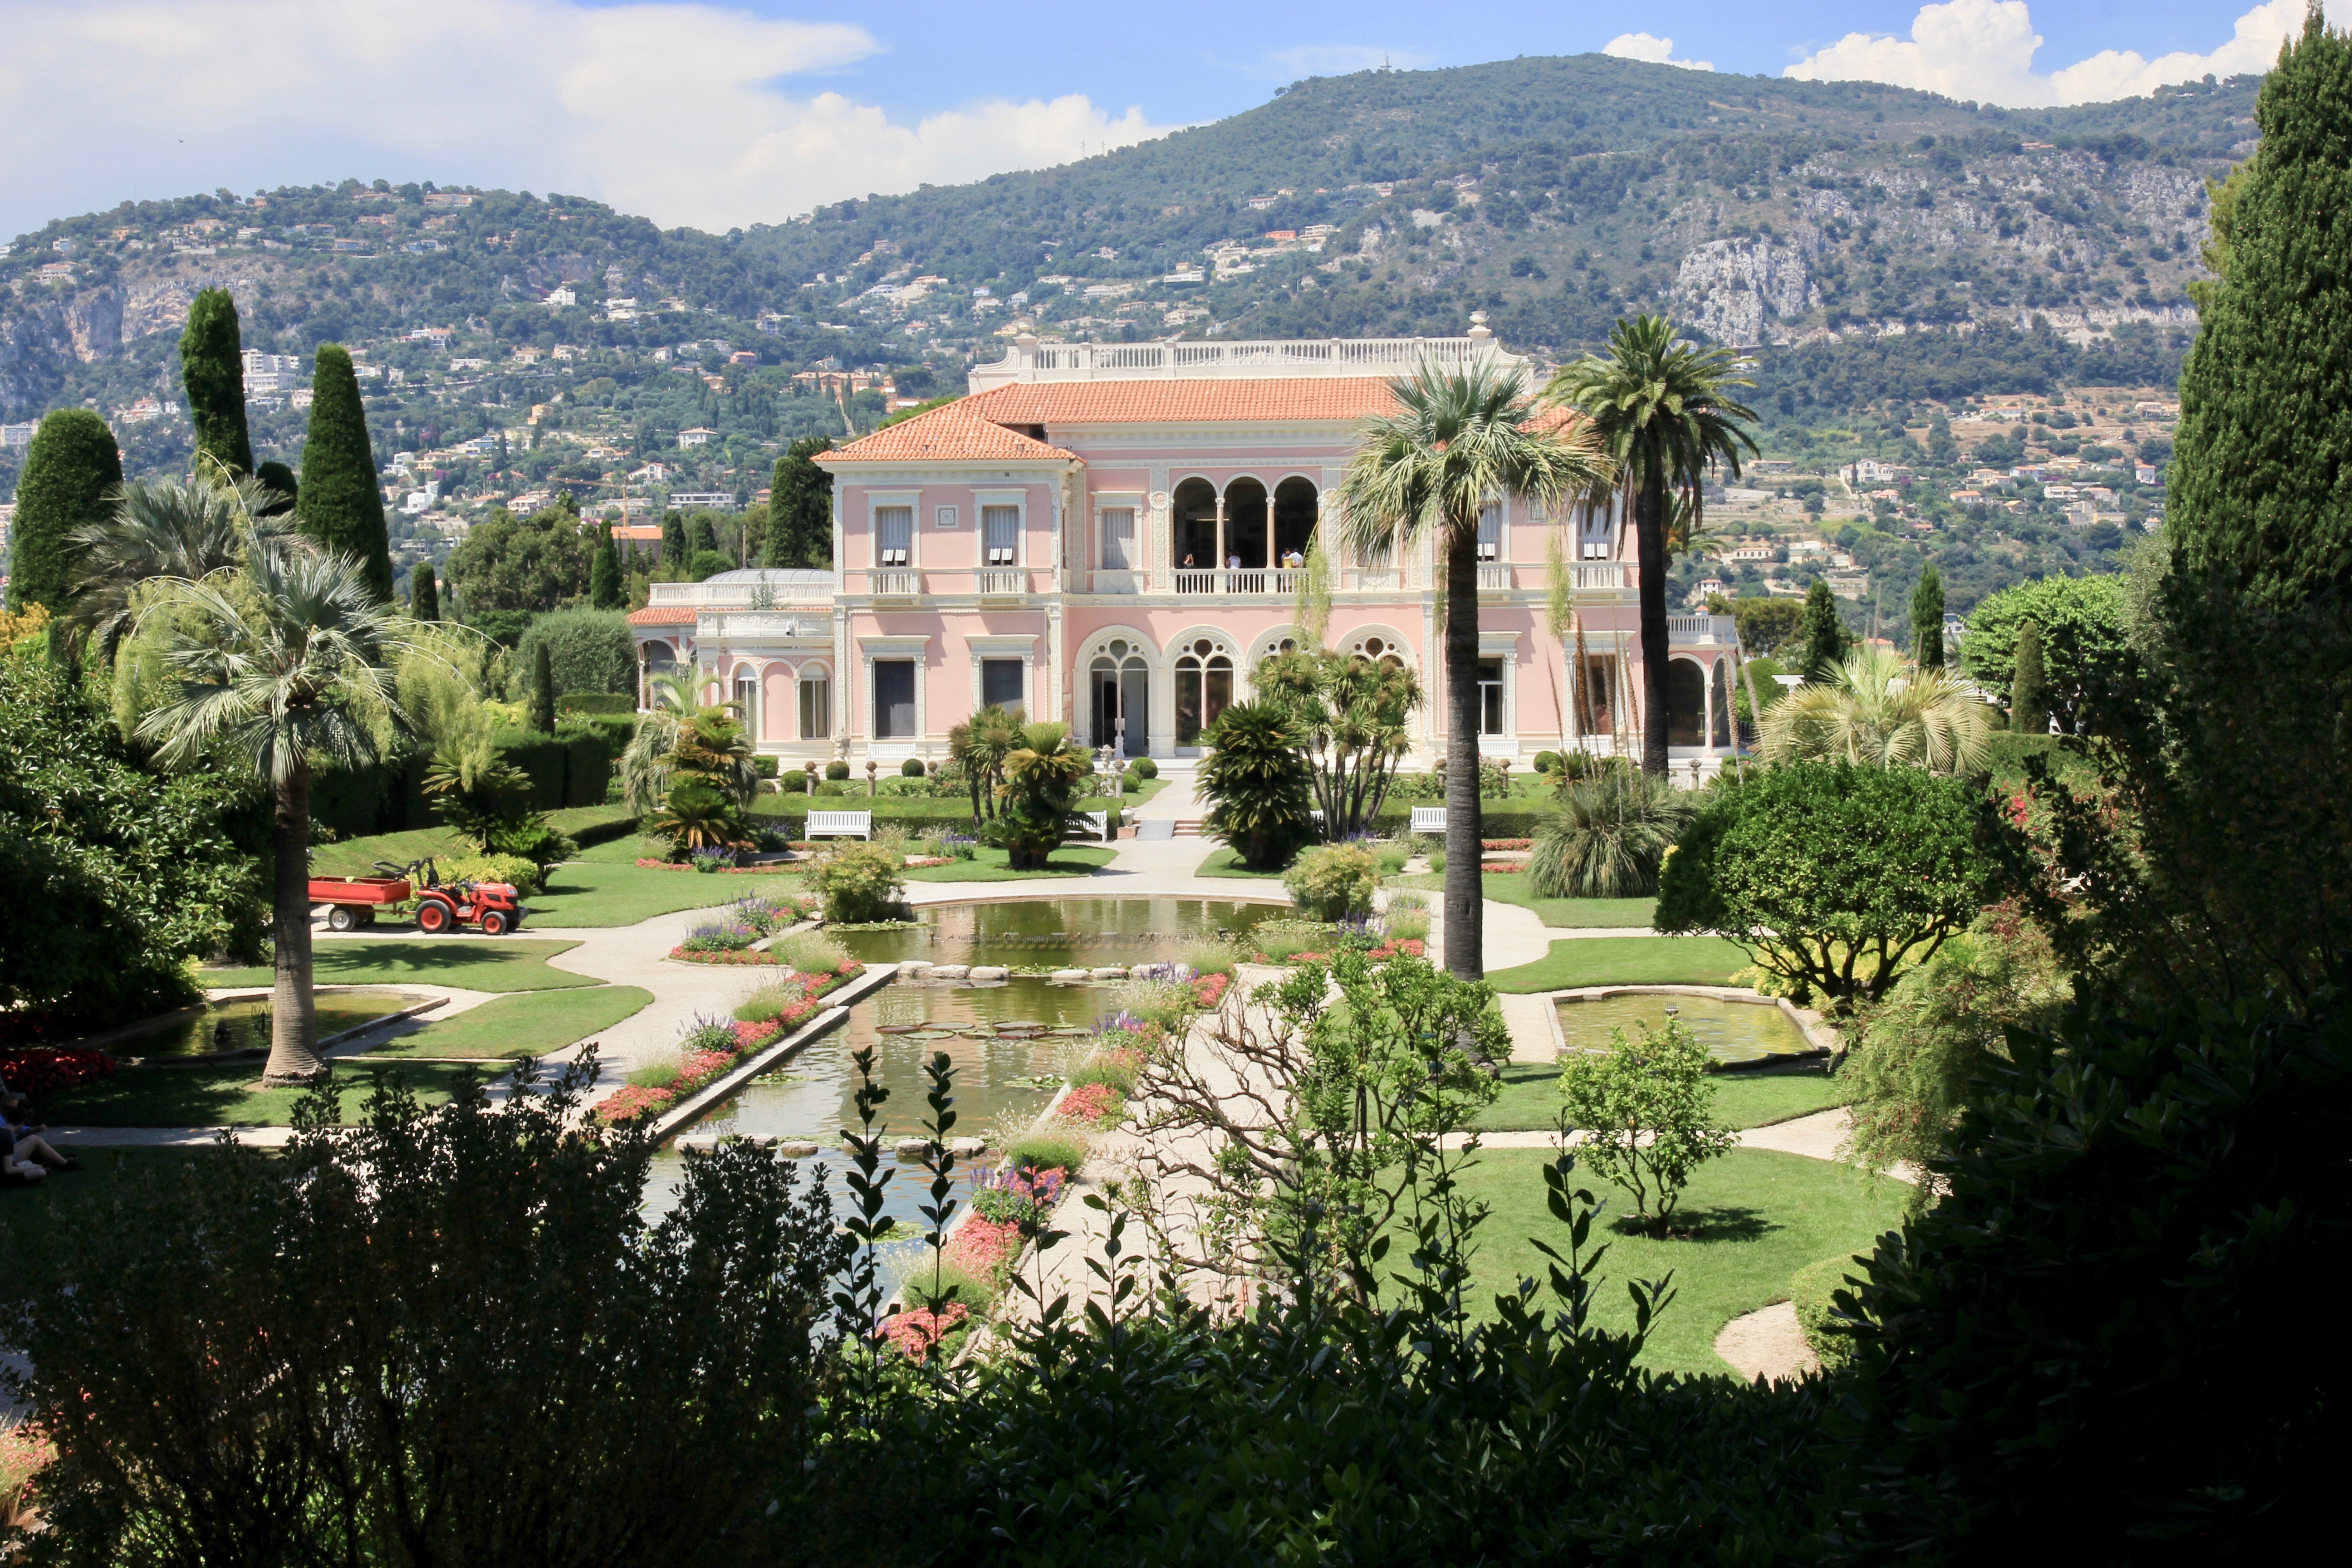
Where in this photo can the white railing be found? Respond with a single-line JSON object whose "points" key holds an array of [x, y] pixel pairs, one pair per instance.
{"points": [[998, 582], [1702, 629], [1249, 580], [738, 596], [895, 583], [1600, 574], [1493, 577], [764, 624], [1032, 361], [1373, 580], [1117, 580]]}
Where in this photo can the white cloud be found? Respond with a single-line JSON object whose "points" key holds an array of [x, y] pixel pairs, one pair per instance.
{"points": [[672, 111], [1648, 47], [1983, 49]]}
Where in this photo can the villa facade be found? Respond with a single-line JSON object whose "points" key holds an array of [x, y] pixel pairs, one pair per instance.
{"points": [[1110, 535]]}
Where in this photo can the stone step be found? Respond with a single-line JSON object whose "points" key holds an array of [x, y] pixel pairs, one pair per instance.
{"points": [[1187, 827]]}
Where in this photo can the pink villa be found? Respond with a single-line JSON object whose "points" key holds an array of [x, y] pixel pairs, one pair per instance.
{"points": [[1110, 535]]}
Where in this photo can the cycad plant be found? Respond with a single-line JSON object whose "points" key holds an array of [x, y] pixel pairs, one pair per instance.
{"points": [[1609, 837], [1875, 710], [1044, 776], [1663, 409], [276, 662], [980, 745], [1256, 784], [1457, 442]]}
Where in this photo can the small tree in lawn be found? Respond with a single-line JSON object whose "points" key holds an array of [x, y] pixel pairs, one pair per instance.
{"points": [[981, 744], [277, 666], [1043, 778], [1256, 785], [1834, 877], [1646, 1109]]}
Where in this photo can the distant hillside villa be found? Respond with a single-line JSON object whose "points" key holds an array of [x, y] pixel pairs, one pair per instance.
{"points": [[1109, 536]]}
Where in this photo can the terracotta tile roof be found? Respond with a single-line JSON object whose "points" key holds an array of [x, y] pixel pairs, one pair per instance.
{"points": [[1319, 399], [663, 615], [953, 434]]}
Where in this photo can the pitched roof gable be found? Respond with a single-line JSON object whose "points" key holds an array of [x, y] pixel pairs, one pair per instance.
{"points": [[951, 434]]}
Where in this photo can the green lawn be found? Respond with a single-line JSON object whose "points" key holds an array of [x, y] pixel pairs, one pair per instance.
{"points": [[356, 857], [1626, 961], [1753, 1219], [34, 1220], [988, 864], [219, 1096], [470, 962], [1530, 1098], [606, 887], [1564, 912], [531, 1025], [1226, 863]]}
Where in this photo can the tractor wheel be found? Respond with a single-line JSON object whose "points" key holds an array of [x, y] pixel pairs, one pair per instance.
{"points": [[339, 918], [433, 917], [494, 922]]}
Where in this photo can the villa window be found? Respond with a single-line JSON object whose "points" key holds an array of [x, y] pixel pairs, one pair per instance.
{"points": [[894, 699], [894, 536], [1000, 528], [747, 704], [1118, 540], [817, 708], [1204, 689], [1490, 532], [999, 682], [1490, 697]]}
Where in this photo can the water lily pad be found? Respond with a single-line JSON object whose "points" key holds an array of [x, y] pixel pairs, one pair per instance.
{"points": [[896, 1028], [1069, 1031]]}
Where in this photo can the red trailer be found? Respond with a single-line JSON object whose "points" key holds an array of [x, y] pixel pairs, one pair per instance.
{"points": [[494, 907], [352, 901]]}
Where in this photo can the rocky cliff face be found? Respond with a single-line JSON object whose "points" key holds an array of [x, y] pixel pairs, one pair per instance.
{"points": [[1729, 288]]}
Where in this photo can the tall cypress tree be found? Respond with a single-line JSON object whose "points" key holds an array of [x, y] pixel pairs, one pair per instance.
{"points": [[542, 689], [423, 594], [212, 366], [1824, 637], [68, 469], [700, 534], [2259, 501], [799, 507], [1928, 620], [674, 550], [2029, 694], [341, 505], [605, 572]]}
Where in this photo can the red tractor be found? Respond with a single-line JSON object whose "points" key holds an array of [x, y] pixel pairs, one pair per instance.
{"points": [[493, 907]]}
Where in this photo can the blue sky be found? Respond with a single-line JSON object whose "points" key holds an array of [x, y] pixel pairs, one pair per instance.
{"points": [[716, 114]]}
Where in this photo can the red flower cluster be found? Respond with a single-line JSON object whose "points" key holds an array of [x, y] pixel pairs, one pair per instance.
{"points": [[45, 1069], [917, 1331], [1211, 988], [749, 957], [1090, 1104], [1510, 843], [1503, 868], [631, 1100], [979, 1244], [1411, 947]]}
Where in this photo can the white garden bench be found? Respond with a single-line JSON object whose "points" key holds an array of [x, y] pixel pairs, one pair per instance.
{"points": [[1099, 824], [841, 825], [1428, 819]]}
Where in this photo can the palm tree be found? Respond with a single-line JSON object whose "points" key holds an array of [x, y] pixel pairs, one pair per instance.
{"points": [[1457, 442], [1043, 777], [1662, 409], [981, 744], [278, 663], [1876, 710], [1609, 838], [645, 760], [162, 529]]}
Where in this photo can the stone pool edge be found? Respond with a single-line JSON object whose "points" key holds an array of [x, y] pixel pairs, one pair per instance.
{"points": [[1815, 1030], [835, 1013]]}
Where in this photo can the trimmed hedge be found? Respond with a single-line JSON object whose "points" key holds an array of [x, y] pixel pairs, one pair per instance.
{"points": [[594, 703], [571, 768], [1811, 1290], [1513, 822]]}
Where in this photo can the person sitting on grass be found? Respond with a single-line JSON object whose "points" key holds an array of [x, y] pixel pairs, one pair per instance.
{"points": [[23, 1153]]}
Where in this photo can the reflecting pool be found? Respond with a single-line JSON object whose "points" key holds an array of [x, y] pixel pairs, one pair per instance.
{"points": [[244, 1025], [1731, 1031], [1064, 933]]}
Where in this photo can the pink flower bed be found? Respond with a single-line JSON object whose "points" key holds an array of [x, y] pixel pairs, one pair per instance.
{"points": [[917, 1331], [1211, 988], [631, 1101], [1510, 844], [722, 871], [1503, 868], [44, 1070], [979, 1246], [1090, 1104], [1411, 946]]}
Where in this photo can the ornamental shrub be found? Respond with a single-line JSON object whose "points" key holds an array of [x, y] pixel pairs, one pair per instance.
{"points": [[1332, 881], [1813, 1290], [524, 876], [1048, 1152], [811, 953], [1609, 839], [1143, 767], [1646, 1108], [588, 651], [911, 768], [1546, 761], [836, 771], [68, 469], [860, 882], [1256, 785], [341, 502]]}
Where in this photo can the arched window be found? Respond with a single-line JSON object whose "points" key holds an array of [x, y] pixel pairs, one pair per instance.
{"points": [[1379, 649], [816, 703], [1119, 684], [1204, 687], [747, 700], [1685, 704]]}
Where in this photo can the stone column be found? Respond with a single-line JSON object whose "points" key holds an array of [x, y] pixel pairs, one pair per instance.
{"points": [[1220, 562]]}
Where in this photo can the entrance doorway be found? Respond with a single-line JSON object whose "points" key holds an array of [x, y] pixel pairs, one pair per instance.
{"points": [[1204, 689], [1120, 684]]}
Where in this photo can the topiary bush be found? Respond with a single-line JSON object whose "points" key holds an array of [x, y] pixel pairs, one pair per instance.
{"points": [[1546, 761], [1256, 785], [911, 768], [1143, 768], [1813, 1289], [587, 651], [860, 882], [836, 771], [1332, 881]]}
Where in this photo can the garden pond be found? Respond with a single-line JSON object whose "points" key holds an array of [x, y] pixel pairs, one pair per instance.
{"points": [[1084, 934], [1735, 1032], [244, 1025], [1007, 1042]]}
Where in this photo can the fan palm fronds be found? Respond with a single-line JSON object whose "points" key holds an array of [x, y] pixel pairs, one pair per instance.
{"points": [[1875, 710]]}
